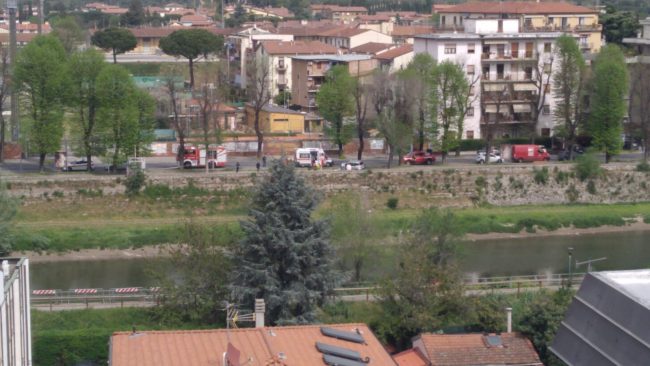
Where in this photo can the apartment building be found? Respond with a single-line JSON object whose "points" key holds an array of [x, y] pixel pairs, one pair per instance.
{"points": [[279, 55], [511, 74], [15, 318], [533, 17], [309, 72], [642, 42], [343, 14]]}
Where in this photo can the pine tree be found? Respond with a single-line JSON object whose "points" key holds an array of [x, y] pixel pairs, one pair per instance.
{"points": [[285, 257]]}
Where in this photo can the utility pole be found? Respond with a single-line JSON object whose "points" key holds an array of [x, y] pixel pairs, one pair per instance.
{"points": [[12, 6], [41, 17], [570, 249]]}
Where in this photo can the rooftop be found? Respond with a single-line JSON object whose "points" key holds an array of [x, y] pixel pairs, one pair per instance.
{"points": [[475, 349], [410, 357], [494, 36], [395, 52], [335, 58], [372, 47], [290, 346], [517, 7], [635, 284], [297, 47]]}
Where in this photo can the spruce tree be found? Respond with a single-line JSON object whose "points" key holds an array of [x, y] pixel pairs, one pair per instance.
{"points": [[285, 256]]}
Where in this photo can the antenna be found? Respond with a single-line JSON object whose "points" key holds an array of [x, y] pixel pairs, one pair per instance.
{"points": [[589, 262]]}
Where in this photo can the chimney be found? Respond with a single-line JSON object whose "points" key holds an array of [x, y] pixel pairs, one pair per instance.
{"points": [[260, 309], [509, 313]]}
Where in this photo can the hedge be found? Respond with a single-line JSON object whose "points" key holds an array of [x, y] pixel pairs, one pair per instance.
{"points": [[85, 346]]}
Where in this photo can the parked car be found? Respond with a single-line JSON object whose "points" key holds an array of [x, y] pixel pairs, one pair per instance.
{"points": [[564, 155], [529, 153], [78, 165], [352, 165], [495, 157], [419, 158]]}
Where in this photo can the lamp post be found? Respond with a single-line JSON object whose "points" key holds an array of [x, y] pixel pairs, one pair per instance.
{"points": [[570, 250], [12, 6]]}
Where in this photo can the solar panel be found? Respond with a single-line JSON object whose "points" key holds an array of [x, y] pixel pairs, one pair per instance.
{"points": [[339, 361], [344, 335], [494, 340], [338, 351]]}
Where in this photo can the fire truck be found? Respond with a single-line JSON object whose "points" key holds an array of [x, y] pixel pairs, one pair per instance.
{"points": [[196, 157]]}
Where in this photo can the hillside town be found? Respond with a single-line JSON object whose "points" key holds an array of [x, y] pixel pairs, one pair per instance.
{"points": [[339, 183]]}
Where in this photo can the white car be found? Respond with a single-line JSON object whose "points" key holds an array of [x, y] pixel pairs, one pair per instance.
{"points": [[495, 157], [78, 165], [352, 165]]}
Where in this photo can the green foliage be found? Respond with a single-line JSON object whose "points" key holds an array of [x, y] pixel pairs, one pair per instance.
{"points": [[608, 107], [591, 187], [68, 31], [283, 98], [422, 94], [427, 260], [643, 167], [392, 203], [335, 102], [285, 257], [572, 193], [116, 40], [561, 177], [568, 88], [8, 207], [41, 76], [134, 183], [540, 176], [299, 8], [587, 166], [135, 14], [618, 24], [190, 44]]}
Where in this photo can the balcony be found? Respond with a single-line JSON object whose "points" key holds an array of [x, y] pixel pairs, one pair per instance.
{"points": [[503, 118], [564, 28], [281, 67], [495, 97], [507, 78], [585, 45], [509, 56]]}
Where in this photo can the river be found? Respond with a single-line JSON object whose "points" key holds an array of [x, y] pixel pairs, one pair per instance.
{"points": [[624, 250]]}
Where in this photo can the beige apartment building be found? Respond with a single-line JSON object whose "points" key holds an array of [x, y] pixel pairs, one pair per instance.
{"points": [[533, 17]]}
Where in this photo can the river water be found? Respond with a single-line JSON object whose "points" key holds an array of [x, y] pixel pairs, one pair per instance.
{"points": [[628, 250]]}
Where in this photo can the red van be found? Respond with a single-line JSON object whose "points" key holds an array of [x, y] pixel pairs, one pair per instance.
{"points": [[528, 153]]}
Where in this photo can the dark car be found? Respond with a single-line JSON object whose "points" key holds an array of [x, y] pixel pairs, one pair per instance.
{"points": [[78, 165], [419, 158], [564, 155]]}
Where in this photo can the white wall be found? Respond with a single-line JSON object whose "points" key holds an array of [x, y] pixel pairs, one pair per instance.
{"points": [[369, 36], [247, 42], [491, 26]]}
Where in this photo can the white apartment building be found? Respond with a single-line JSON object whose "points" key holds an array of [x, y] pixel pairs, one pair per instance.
{"points": [[506, 67], [15, 320]]}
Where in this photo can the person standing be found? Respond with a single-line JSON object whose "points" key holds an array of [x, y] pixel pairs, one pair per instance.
{"points": [[257, 165], [237, 167], [264, 161]]}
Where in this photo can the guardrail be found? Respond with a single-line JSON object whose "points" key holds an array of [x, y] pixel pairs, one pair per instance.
{"points": [[117, 297]]}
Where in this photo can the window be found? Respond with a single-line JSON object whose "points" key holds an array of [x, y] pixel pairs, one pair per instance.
{"points": [[470, 48], [528, 22], [565, 22], [528, 71], [547, 88], [547, 47], [550, 21], [546, 110], [546, 132], [547, 67], [469, 134], [442, 20], [454, 20], [581, 21], [471, 90], [470, 69], [450, 48], [470, 112]]}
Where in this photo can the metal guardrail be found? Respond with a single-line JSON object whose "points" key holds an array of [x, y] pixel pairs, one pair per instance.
{"points": [[152, 295]]}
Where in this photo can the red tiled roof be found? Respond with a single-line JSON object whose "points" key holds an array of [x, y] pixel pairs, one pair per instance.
{"points": [[411, 357], [297, 47], [411, 30], [114, 10], [472, 349], [372, 48], [350, 9], [20, 37], [395, 52], [159, 32], [294, 344], [344, 32], [281, 12], [518, 7], [28, 27], [373, 18]]}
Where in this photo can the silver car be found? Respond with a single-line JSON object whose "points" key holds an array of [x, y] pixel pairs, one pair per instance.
{"points": [[352, 165], [495, 157]]}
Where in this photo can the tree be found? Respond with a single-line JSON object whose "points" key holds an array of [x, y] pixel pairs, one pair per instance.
{"points": [[420, 73], [5, 82], [174, 91], [299, 8], [394, 121], [238, 17], [116, 40], [610, 86], [135, 15], [197, 289], [639, 107], [41, 76], [258, 89], [117, 114], [208, 98], [618, 25], [568, 83], [361, 98], [285, 256], [452, 91], [491, 125], [68, 31], [190, 44], [84, 67], [145, 106], [426, 292], [542, 67], [7, 213], [335, 101], [283, 98]]}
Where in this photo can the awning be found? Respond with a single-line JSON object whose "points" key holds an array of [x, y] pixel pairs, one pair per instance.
{"points": [[493, 87], [493, 108], [525, 87], [521, 108]]}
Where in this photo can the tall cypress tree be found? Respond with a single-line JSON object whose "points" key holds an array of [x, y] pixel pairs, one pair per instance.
{"points": [[285, 257]]}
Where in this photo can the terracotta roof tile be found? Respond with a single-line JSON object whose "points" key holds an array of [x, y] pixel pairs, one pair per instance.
{"points": [[518, 7], [395, 52], [344, 32], [159, 32], [258, 346], [472, 349], [297, 47], [410, 357], [372, 48], [337, 8], [411, 30]]}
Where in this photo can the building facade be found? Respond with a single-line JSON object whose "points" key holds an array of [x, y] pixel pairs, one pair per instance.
{"points": [[15, 319], [510, 73]]}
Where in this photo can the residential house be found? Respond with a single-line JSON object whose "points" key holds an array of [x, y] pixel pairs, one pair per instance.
{"points": [[512, 349], [608, 322], [343, 14], [511, 74], [269, 12], [641, 43], [15, 318], [406, 33], [372, 48], [309, 72], [196, 20], [340, 344], [396, 58], [148, 38], [405, 17], [104, 8], [26, 28], [279, 55], [533, 17], [347, 37], [277, 119], [377, 22]]}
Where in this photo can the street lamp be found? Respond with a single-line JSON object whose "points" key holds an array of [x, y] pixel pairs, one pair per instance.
{"points": [[570, 249]]}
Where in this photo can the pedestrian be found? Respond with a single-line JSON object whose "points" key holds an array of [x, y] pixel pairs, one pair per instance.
{"points": [[257, 165], [264, 161], [237, 167]]}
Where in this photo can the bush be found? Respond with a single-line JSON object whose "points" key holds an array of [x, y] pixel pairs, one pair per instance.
{"points": [[134, 182], [591, 187], [541, 176], [392, 203], [643, 167], [586, 167]]}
